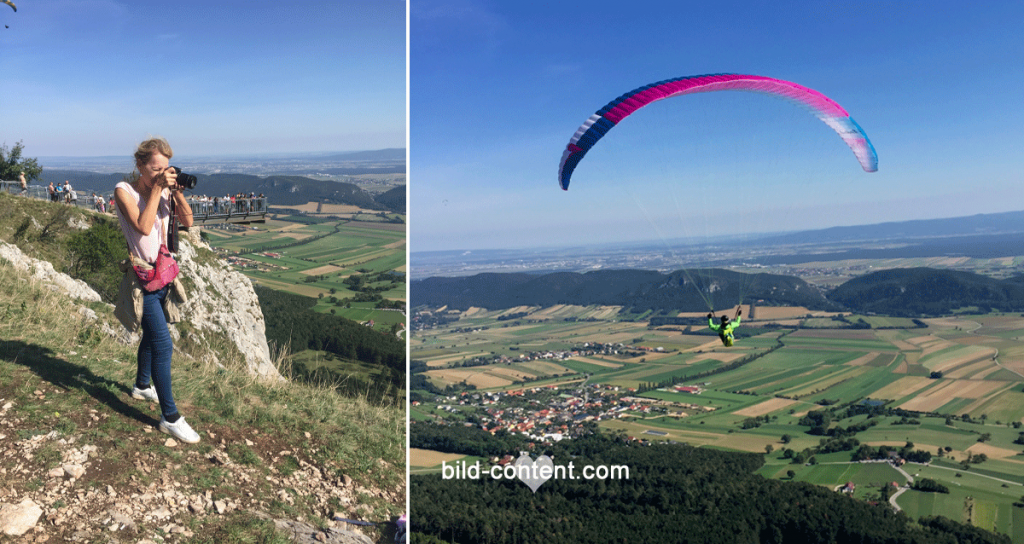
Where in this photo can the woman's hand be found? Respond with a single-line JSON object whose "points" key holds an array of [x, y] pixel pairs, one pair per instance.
{"points": [[168, 179]]}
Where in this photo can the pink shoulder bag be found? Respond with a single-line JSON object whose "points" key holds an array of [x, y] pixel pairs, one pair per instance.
{"points": [[164, 270]]}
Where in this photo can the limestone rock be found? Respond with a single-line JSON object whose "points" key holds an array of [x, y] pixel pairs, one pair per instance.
{"points": [[16, 520], [75, 471], [223, 301], [304, 533], [161, 513], [44, 272], [78, 222]]}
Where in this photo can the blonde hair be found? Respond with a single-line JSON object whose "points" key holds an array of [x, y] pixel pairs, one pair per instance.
{"points": [[147, 148]]}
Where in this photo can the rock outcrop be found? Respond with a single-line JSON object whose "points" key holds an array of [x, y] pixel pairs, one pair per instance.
{"points": [[44, 272], [221, 300]]}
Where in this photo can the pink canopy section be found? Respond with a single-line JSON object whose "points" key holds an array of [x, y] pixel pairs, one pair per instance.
{"points": [[823, 107]]}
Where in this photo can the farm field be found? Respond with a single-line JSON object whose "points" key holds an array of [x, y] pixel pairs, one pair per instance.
{"points": [[960, 379], [315, 257]]}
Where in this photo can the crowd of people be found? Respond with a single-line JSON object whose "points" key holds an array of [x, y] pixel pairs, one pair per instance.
{"points": [[238, 203], [63, 193]]}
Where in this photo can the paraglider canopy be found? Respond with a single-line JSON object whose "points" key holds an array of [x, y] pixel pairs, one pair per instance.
{"points": [[831, 113], [9, 3]]}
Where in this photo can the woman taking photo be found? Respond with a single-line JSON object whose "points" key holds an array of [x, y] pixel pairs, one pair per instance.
{"points": [[144, 211]]}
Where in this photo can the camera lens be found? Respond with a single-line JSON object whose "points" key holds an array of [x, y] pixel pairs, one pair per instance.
{"points": [[185, 181]]}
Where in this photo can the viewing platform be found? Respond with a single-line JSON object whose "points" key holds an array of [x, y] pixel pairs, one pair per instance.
{"points": [[243, 210]]}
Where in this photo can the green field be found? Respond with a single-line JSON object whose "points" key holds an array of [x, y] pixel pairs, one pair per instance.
{"points": [[812, 367], [316, 260]]}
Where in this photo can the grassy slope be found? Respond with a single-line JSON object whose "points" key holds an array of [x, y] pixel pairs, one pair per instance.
{"points": [[65, 385]]}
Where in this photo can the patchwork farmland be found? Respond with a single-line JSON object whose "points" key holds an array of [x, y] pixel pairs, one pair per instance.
{"points": [[320, 257], [953, 387]]}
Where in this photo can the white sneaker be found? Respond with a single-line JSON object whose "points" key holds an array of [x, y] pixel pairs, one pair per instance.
{"points": [[145, 394], [179, 429]]}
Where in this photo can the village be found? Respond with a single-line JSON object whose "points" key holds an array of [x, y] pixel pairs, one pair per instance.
{"points": [[551, 413], [584, 350]]}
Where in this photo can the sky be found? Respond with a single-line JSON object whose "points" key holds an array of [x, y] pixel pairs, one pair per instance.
{"points": [[498, 88], [96, 77]]}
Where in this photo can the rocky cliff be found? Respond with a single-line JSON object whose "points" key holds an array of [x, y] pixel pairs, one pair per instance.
{"points": [[221, 301]]}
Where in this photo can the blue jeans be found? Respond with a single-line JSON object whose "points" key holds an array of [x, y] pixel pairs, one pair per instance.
{"points": [[155, 350]]}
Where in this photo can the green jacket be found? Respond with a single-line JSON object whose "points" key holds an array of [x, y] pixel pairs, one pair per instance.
{"points": [[727, 329]]}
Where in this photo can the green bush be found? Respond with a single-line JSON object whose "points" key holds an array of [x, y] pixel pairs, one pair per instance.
{"points": [[94, 255]]}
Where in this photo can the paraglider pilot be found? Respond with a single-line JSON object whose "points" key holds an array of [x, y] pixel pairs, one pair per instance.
{"points": [[725, 328]]}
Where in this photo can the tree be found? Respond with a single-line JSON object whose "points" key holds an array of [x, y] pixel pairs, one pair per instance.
{"points": [[791, 474], [12, 164]]}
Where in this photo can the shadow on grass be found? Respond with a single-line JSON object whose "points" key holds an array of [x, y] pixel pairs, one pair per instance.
{"points": [[69, 376]]}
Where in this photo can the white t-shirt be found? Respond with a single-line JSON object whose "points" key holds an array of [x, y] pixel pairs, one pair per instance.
{"points": [[145, 247]]}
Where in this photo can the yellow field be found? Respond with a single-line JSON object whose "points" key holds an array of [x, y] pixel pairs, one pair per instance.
{"points": [[430, 458], [992, 451], [293, 235], [864, 359], [971, 354], [291, 226], [290, 287], [636, 429], [513, 373], [976, 371], [325, 269], [473, 311], [902, 387], [1000, 399], [478, 378], [721, 356], [544, 368], [598, 362], [310, 207], [765, 407], [947, 391]]}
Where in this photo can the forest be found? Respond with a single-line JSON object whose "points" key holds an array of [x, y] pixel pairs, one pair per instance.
{"points": [[291, 322], [674, 493]]}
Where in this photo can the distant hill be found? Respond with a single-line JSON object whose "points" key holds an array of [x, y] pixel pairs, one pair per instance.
{"points": [[286, 190], [912, 292], [391, 154], [393, 199], [281, 190], [639, 290], [986, 223]]}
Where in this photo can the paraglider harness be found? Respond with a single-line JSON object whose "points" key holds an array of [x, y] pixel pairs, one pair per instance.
{"points": [[725, 329]]}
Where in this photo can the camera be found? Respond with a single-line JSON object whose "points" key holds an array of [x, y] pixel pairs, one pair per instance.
{"points": [[185, 181]]}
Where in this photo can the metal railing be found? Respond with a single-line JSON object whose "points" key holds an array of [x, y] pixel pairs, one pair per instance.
{"points": [[241, 210], [223, 211]]}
